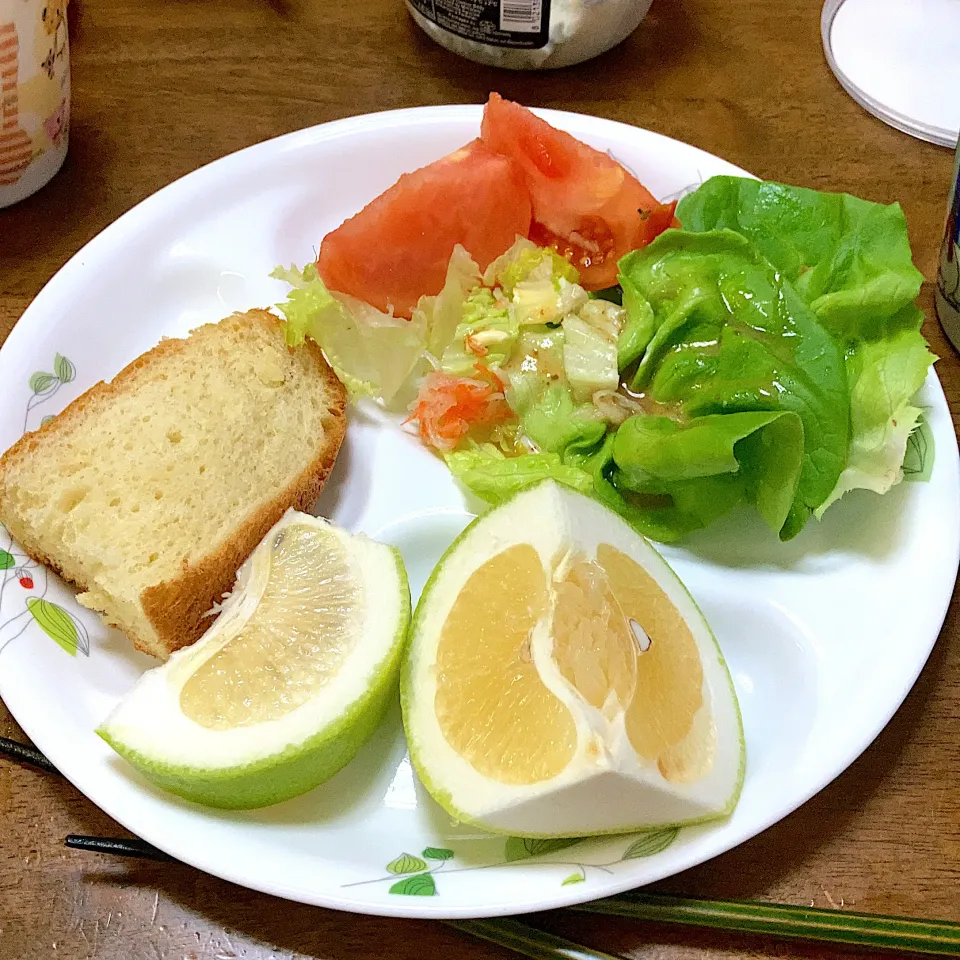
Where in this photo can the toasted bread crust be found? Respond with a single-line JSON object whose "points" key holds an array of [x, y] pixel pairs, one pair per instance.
{"points": [[177, 608]]}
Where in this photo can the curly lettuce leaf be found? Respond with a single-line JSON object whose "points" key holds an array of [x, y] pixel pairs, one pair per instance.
{"points": [[731, 336], [307, 298], [540, 285], [373, 353], [494, 478], [549, 416], [564, 433], [486, 333], [440, 316], [589, 358], [525, 262]]}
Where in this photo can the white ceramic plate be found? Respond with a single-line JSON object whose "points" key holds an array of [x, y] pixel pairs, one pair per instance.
{"points": [[824, 635]]}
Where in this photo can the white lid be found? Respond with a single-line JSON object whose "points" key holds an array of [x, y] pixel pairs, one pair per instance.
{"points": [[900, 60]]}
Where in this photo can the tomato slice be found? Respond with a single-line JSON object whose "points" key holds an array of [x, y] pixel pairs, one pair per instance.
{"points": [[448, 407], [655, 221], [585, 204], [397, 248]]}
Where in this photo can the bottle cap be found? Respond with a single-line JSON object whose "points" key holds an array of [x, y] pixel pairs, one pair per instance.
{"points": [[900, 61]]}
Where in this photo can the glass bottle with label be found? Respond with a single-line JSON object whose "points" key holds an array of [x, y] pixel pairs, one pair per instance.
{"points": [[528, 34], [947, 296]]}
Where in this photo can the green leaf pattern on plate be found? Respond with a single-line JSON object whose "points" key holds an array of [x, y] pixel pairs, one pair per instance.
{"points": [[918, 460], [519, 848], [422, 881], [421, 885], [23, 587], [651, 842], [41, 382], [66, 631], [437, 853], [406, 863], [64, 369]]}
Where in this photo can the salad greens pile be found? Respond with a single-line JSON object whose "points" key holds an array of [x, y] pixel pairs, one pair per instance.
{"points": [[767, 352]]}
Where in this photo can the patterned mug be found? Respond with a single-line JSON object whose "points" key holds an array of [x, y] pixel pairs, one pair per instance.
{"points": [[34, 95]]}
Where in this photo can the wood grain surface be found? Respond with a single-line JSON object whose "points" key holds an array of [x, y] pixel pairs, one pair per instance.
{"points": [[163, 86]]}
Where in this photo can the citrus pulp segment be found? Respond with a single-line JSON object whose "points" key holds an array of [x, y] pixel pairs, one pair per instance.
{"points": [[289, 681], [560, 681], [305, 625], [478, 661]]}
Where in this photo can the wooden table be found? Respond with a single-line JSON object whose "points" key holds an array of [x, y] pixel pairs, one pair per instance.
{"points": [[161, 87]]}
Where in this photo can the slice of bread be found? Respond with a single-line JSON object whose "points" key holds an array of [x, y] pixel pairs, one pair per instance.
{"points": [[149, 492]]}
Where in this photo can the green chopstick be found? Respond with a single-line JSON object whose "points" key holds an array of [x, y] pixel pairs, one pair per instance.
{"points": [[936, 937], [528, 940], [875, 931]]}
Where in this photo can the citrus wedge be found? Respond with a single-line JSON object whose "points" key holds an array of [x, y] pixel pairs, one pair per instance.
{"points": [[560, 681], [289, 681]]}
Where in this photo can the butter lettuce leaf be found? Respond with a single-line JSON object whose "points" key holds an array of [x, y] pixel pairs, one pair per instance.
{"points": [[732, 336], [884, 377], [850, 260], [638, 329], [655, 515], [708, 464]]}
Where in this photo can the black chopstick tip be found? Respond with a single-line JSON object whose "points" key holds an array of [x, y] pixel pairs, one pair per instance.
{"points": [[25, 754], [116, 846]]}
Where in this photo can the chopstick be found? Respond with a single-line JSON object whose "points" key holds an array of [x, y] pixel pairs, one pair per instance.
{"points": [[874, 931], [24, 754], [528, 940], [118, 846]]}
